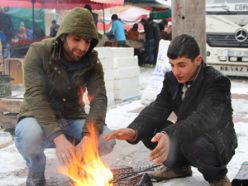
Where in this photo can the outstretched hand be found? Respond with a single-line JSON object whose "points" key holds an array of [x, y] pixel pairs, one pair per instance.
{"points": [[65, 151], [121, 134], [86, 145], [160, 153]]}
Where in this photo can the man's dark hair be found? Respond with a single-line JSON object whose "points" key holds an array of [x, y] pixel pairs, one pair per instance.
{"points": [[183, 46], [135, 27], [142, 20], [87, 6], [54, 21], [114, 17]]}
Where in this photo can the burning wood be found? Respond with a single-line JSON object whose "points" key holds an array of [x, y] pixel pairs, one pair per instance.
{"points": [[89, 170]]}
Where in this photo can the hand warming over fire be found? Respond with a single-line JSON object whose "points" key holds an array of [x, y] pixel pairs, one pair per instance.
{"points": [[81, 148], [65, 151], [160, 152], [122, 134]]}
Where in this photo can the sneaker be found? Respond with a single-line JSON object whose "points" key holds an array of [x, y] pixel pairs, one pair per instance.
{"points": [[166, 173], [36, 179], [223, 182]]}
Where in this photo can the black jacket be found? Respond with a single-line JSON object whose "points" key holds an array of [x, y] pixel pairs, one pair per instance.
{"points": [[206, 110]]}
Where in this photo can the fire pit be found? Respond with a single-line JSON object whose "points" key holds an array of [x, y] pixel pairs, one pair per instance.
{"points": [[89, 169], [126, 176]]}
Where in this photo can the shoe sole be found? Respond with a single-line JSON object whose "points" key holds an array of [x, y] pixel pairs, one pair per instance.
{"points": [[162, 179]]}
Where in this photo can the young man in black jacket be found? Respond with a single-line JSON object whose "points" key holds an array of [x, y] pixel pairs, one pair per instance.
{"points": [[203, 135]]}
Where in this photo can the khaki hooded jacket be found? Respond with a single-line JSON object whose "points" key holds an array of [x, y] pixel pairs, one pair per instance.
{"points": [[54, 87]]}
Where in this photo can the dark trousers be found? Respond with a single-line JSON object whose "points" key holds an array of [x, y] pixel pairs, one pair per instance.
{"points": [[149, 47], [121, 43], [200, 153]]}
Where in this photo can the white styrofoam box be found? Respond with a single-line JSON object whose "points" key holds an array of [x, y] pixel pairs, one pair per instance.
{"points": [[108, 74], [109, 85], [104, 52], [126, 88], [122, 51], [126, 83], [126, 72], [125, 94], [111, 98], [107, 62], [120, 62]]}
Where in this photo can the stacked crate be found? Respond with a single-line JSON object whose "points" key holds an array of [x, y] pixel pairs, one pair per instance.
{"points": [[106, 59], [121, 72]]}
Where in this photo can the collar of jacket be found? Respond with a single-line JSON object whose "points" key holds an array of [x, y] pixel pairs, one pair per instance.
{"points": [[177, 87], [192, 94]]}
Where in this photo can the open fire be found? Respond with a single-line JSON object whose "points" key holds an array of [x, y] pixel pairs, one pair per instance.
{"points": [[89, 170]]}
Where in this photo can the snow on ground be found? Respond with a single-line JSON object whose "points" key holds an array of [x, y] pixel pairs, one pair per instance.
{"points": [[13, 170], [239, 86]]}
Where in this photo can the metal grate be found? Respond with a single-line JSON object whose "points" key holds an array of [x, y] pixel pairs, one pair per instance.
{"points": [[127, 176], [225, 40]]}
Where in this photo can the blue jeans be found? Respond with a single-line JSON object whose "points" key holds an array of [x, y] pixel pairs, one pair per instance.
{"points": [[31, 142], [149, 47]]}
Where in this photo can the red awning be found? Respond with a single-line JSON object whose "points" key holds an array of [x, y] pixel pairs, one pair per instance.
{"points": [[60, 4], [113, 2]]}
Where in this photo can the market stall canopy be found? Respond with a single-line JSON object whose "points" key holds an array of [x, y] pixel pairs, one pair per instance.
{"points": [[165, 3], [166, 14], [159, 9], [143, 3], [60, 4], [134, 14]]}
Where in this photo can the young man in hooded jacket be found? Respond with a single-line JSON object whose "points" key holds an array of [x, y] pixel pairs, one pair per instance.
{"points": [[203, 135], [57, 71]]}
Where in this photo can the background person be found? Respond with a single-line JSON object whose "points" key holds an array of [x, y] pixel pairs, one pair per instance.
{"points": [[54, 28], [156, 36], [117, 31], [133, 33], [95, 15], [22, 32], [149, 42]]}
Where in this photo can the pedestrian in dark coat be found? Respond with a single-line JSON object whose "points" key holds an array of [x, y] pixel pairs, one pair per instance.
{"points": [[54, 28], [203, 135]]}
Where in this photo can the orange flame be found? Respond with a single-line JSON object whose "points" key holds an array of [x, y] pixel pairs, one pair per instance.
{"points": [[89, 170]]}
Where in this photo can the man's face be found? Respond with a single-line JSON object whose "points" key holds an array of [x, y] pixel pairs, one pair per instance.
{"points": [[75, 47], [184, 69]]}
